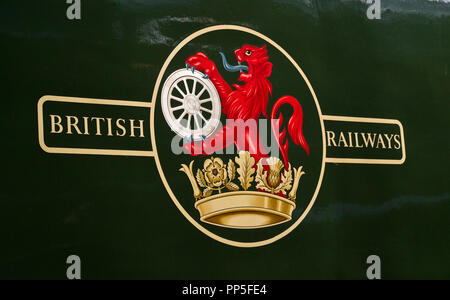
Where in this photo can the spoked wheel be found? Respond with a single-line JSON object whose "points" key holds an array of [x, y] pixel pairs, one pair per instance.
{"points": [[191, 105]]}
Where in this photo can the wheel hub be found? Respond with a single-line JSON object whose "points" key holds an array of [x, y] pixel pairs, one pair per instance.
{"points": [[192, 104]]}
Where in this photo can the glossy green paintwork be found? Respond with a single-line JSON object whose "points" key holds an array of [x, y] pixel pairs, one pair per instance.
{"points": [[114, 211]]}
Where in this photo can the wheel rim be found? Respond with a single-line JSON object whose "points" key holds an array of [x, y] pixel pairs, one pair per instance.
{"points": [[191, 105]]}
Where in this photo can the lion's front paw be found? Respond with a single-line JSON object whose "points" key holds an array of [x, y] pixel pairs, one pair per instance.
{"points": [[201, 63]]}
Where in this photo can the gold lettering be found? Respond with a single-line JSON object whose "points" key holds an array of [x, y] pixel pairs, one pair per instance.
{"points": [[397, 142], [330, 137], [389, 139], [342, 139], [357, 140], [54, 124], [380, 141], [133, 127], [121, 127], [369, 140], [74, 124], [97, 121], [350, 138], [86, 125], [109, 126]]}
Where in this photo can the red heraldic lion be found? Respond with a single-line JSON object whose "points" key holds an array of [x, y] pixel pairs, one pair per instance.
{"points": [[247, 102]]}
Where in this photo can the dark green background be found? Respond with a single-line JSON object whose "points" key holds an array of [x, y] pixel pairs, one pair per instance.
{"points": [[115, 213]]}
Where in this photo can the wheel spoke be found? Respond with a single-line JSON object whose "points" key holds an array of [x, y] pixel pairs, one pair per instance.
{"points": [[177, 99], [181, 117], [197, 122], [189, 122], [194, 86], [179, 90], [201, 92], [205, 100], [186, 85], [201, 116], [177, 108], [207, 110]]}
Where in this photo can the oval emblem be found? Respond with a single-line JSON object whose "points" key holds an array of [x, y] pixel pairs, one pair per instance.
{"points": [[238, 136]]}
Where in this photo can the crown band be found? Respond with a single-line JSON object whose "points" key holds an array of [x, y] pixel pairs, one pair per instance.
{"points": [[245, 210]]}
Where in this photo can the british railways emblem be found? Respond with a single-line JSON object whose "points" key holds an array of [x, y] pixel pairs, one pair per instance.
{"points": [[237, 132]]}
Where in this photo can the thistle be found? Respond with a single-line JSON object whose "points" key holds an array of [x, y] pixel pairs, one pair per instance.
{"points": [[274, 177]]}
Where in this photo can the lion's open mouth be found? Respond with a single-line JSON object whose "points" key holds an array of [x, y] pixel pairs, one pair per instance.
{"points": [[244, 68], [230, 68]]}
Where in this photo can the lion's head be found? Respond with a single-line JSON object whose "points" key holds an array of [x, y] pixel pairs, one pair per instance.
{"points": [[257, 60], [250, 100]]}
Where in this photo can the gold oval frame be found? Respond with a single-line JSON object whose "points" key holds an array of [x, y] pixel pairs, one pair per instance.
{"points": [[155, 149]]}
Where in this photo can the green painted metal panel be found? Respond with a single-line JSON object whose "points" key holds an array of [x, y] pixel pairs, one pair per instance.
{"points": [[114, 211]]}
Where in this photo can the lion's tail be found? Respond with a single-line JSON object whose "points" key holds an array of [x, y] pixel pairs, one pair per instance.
{"points": [[295, 126]]}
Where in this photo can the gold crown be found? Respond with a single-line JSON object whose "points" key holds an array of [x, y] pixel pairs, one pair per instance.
{"points": [[268, 204]]}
